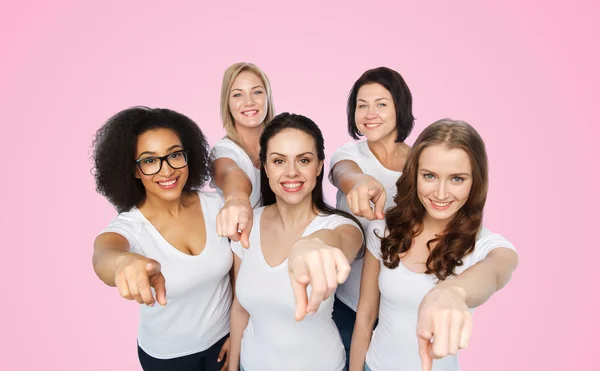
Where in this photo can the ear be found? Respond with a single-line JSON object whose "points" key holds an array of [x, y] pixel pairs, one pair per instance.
{"points": [[266, 171], [137, 173], [320, 168]]}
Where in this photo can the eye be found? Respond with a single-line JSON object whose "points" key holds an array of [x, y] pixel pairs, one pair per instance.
{"points": [[278, 161], [457, 179], [304, 160], [148, 161], [236, 95], [428, 176], [258, 92], [381, 105], [175, 155], [362, 106]]}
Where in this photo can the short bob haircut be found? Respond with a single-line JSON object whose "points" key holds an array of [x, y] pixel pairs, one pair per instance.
{"points": [[115, 148], [228, 78], [395, 84]]}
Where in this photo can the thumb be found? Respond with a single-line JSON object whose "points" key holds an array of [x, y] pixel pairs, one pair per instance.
{"points": [[379, 201], [153, 267], [245, 225], [299, 279]]}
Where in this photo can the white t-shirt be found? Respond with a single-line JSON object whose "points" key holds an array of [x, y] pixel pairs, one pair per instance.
{"points": [[394, 344], [198, 287], [226, 148], [273, 339], [361, 154]]}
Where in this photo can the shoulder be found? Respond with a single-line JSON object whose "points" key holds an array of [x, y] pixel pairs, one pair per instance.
{"points": [[349, 151], [487, 241], [332, 221]]}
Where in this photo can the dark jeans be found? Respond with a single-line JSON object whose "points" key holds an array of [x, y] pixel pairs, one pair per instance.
{"points": [[201, 361], [344, 318]]}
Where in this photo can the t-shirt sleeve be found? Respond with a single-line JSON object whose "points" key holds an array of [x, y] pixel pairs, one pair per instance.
{"points": [[375, 230], [488, 241], [348, 151], [225, 148], [125, 228], [334, 221]]}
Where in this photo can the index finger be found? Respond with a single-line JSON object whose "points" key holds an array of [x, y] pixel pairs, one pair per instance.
{"points": [[380, 204], [364, 205], [299, 281], [426, 361]]}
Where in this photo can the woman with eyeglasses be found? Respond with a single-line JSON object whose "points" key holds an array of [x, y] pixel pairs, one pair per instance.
{"points": [[162, 249], [246, 106]]}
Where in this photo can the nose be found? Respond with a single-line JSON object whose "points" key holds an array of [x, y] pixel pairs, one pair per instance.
{"points": [[165, 169], [291, 169], [249, 100], [371, 112], [441, 193]]}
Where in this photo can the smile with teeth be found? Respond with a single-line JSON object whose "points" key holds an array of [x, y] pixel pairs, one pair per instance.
{"points": [[440, 205], [168, 184], [291, 185], [250, 113], [372, 125]]}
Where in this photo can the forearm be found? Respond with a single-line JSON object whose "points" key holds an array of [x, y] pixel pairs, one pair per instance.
{"points": [[332, 238], [478, 283], [105, 261], [235, 184], [345, 175], [239, 321], [361, 339]]}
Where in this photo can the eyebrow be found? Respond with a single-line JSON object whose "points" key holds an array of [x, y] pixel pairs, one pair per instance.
{"points": [[432, 172], [153, 153], [378, 99], [282, 155], [257, 86]]}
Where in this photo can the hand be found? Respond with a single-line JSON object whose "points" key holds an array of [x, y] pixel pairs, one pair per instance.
{"points": [[224, 353], [364, 192], [322, 266], [135, 275], [445, 317], [234, 221]]}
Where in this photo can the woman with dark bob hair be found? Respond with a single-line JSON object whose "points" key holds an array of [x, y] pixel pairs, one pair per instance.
{"points": [[430, 260], [163, 246], [380, 109], [296, 240]]}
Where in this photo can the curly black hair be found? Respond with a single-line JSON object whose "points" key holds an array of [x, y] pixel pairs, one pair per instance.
{"points": [[114, 153]]}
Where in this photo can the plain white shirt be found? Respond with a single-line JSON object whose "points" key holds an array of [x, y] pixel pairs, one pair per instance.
{"points": [[394, 344], [361, 154], [273, 339], [198, 287], [227, 148]]}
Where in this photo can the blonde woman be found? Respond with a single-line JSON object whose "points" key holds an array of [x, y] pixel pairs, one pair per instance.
{"points": [[246, 106]]}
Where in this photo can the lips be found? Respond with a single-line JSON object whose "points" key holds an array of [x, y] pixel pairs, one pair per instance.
{"points": [[168, 184], [440, 205], [292, 186], [372, 125], [250, 113]]}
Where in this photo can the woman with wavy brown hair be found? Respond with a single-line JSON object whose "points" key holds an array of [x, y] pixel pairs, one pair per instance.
{"points": [[430, 261]]}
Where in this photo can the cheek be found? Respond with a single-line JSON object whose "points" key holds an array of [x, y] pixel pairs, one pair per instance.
{"points": [[464, 192]]}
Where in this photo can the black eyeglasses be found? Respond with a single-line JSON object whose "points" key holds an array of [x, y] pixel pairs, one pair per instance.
{"points": [[152, 165]]}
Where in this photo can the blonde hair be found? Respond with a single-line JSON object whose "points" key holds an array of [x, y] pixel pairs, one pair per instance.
{"points": [[228, 78]]}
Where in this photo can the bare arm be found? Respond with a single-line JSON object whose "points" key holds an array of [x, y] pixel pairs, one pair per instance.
{"points": [[443, 313], [368, 309], [322, 260], [236, 214], [239, 321], [131, 273], [360, 190]]}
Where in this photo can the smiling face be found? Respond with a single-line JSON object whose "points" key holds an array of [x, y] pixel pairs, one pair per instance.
{"points": [[375, 113], [444, 181], [168, 183], [292, 165], [248, 100]]}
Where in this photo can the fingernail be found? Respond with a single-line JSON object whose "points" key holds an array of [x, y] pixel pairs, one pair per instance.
{"points": [[312, 312]]}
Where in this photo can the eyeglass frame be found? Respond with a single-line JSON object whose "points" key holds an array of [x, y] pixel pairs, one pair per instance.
{"points": [[163, 159]]}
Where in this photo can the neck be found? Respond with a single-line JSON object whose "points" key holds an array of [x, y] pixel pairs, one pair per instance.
{"points": [[293, 216], [155, 205], [388, 149], [250, 137], [434, 226]]}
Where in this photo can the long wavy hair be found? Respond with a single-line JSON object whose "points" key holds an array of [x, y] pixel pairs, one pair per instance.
{"points": [[405, 220], [280, 123]]}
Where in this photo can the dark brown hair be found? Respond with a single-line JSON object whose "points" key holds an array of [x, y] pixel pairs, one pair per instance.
{"points": [[405, 220]]}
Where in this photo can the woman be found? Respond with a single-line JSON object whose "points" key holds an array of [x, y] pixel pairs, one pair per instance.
{"points": [[434, 233], [380, 108], [246, 106], [150, 164], [299, 235]]}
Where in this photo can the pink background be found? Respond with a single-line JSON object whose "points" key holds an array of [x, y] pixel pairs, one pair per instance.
{"points": [[525, 74]]}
